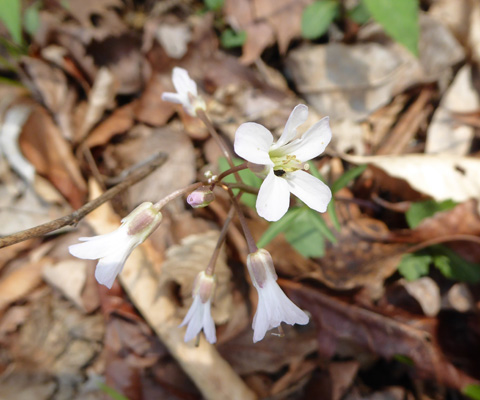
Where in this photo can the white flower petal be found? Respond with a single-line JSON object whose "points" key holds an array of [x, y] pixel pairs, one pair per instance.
{"points": [[297, 117], [252, 142], [109, 267], [198, 318], [312, 143], [274, 307], [312, 191], [182, 82], [194, 319], [174, 98], [98, 246], [273, 197], [208, 324]]}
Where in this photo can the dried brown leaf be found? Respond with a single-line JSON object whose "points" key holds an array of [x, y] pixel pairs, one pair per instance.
{"points": [[45, 147], [337, 321]]}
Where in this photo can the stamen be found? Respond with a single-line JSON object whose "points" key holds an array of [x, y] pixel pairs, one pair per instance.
{"points": [[280, 333]]}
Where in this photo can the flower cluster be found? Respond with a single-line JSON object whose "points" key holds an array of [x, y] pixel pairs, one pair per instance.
{"points": [[282, 164]]}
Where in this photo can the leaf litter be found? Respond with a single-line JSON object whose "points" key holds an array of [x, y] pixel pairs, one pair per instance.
{"points": [[96, 71]]}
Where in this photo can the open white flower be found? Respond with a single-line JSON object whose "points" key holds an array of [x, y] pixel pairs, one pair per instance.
{"points": [[187, 94], [274, 307], [199, 316], [112, 249], [284, 163]]}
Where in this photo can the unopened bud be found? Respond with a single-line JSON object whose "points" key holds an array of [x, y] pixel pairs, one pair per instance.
{"points": [[204, 286], [143, 220], [260, 266], [201, 197]]}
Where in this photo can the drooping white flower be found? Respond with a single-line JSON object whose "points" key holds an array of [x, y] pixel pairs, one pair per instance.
{"points": [[187, 94], [284, 163], [112, 249], [274, 307], [199, 316]]}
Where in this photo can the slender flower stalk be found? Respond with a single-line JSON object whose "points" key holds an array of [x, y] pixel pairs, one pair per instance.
{"points": [[284, 163], [113, 248]]}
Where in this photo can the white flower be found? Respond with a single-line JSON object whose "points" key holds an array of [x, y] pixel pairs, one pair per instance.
{"points": [[112, 249], [274, 307], [284, 163], [199, 316], [187, 94]]}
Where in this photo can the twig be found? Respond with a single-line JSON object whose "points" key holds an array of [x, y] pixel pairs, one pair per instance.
{"points": [[77, 215]]}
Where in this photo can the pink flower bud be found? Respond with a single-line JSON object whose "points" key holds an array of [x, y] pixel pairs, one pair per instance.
{"points": [[201, 197]]}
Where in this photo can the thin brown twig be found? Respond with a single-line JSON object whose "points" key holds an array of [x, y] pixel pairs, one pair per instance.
{"points": [[223, 234], [77, 215], [252, 246]]}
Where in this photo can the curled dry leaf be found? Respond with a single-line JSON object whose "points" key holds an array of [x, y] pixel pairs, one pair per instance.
{"points": [[45, 147], [272, 353], [10, 130], [442, 177], [50, 84], [351, 82], [427, 293], [445, 134], [379, 334]]}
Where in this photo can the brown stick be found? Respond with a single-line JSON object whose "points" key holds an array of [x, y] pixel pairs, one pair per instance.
{"points": [[77, 215]]}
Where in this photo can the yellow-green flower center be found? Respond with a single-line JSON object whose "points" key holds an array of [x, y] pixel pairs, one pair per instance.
{"points": [[286, 163]]}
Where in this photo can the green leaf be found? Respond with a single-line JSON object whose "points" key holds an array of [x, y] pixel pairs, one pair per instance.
{"points": [[214, 5], [10, 14], [399, 18], [359, 13], [31, 18], [347, 177], [248, 177], [317, 17], [230, 39], [333, 215], [279, 226], [111, 392], [317, 221], [424, 209], [414, 266], [472, 391], [452, 266], [404, 359], [304, 236]]}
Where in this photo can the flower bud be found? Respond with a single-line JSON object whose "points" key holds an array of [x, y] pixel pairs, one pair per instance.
{"points": [[201, 197], [142, 221], [204, 286], [260, 266]]}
